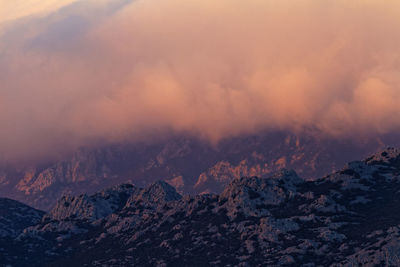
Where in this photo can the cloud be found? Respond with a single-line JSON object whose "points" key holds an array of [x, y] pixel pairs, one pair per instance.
{"points": [[110, 71], [16, 9]]}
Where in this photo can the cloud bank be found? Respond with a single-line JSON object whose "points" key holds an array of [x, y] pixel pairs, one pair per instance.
{"points": [[115, 70]]}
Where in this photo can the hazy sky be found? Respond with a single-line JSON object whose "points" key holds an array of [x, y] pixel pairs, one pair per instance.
{"points": [[77, 72]]}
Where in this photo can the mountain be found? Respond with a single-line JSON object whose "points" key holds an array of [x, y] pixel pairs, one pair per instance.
{"points": [[14, 218], [190, 165], [347, 218]]}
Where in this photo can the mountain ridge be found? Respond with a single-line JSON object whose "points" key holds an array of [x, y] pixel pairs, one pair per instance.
{"points": [[188, 164], [345, 218]]}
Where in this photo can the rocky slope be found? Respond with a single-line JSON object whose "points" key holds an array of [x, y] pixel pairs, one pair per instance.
{"points": [[14, 218], [348, 218], [190, 165]]}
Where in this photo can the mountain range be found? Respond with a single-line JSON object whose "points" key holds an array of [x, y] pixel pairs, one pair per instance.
{"points": [[190, 165], [346, 218]]}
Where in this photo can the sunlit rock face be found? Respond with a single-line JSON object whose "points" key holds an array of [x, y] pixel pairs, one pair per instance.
{"points": [[188, 164], [346, 218]]}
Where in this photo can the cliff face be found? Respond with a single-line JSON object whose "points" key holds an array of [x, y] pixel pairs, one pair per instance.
{"points": [[348, 218], [188, 164]]}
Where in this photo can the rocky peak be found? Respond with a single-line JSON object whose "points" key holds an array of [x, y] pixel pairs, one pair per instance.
{"points": [[287, 179], [389, 155], [252, 195], [92, 207], [156, 193], [382, 165], [281, 181]]}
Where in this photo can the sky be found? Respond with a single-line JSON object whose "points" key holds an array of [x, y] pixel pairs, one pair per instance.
{"points": [[79, 72]]}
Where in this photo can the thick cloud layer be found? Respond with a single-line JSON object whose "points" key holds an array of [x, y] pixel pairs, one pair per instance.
{"points": [[115, 70]]}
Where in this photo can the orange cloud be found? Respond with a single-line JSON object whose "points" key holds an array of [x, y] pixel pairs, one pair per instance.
{"points": [[213, 69]]}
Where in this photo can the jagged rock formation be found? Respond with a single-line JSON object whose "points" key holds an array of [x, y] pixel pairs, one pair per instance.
{"points": [[92, 207], [348, 218], [190, 165]]}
